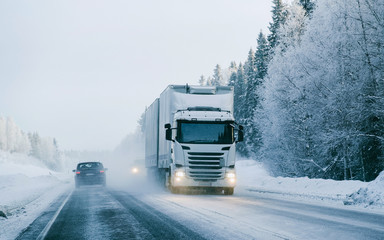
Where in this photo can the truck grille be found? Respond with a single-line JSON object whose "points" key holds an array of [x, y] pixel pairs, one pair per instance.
{"points": [[205, 166]]}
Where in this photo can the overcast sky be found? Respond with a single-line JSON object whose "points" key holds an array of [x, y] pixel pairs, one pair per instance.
{"points": [[83, 71]]}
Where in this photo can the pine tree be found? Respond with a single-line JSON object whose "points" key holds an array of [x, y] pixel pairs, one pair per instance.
{"points": [[250, 79], [308, 6], [202, 80], [11, 132], [217, 79], [255, 78], [3, 134], [278, 18], [239, 94], [252, 132], [141, 123], [35, 140], [261, 56], [232, 74], [210, 81], [240, 106]]}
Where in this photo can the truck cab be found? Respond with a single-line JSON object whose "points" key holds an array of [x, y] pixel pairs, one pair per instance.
{"points": [[203, 149]]}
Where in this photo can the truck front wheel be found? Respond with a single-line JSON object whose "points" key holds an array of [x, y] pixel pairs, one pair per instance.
{"points": [[228, 191], [174, 190]]}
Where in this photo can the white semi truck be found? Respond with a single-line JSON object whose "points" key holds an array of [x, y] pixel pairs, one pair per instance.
{"points": [[190, 138]]}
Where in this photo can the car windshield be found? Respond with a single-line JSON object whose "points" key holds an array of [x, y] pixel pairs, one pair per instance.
{"points": [[89, 165], [205, 132]]}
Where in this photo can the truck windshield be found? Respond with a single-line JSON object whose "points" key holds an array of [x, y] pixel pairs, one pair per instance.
{"points": [[205, 132]]}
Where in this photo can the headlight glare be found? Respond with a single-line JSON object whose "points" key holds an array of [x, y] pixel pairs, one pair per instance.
{"points": [[180, 173], [231, 175]]}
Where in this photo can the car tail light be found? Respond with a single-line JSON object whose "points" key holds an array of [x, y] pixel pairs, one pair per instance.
{"points": [[101, 171], [78, 172]]}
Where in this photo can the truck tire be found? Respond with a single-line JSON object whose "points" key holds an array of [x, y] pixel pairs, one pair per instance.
{"points": [[174, 190], [228, 191]]}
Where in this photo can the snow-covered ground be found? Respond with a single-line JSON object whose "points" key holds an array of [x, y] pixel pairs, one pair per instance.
{"points": [[27, 188], [253, 177]]}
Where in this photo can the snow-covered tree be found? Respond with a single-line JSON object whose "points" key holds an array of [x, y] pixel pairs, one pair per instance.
{"points": [[232, 71], [261, 56], [22, 143], [12, 134], [232, 79], [209, 82], [323, 97], [3, 134], [292, 30], [35, 141], [251, 101], [141, 123], [308, 6], [202, 80], [240, 88], [217, 78], [278, 19], [12, 138]]}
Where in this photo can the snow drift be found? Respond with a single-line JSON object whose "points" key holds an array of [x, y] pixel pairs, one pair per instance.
{"points": [[253, 177], [371, 195], [27, 189]]}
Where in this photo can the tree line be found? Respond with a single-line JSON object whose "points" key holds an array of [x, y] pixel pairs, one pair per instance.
{"points": [[14, 140], [311, 95]]}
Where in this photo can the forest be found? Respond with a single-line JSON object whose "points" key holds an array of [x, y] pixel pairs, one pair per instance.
{"points": [[311, 95], [45, 149]]}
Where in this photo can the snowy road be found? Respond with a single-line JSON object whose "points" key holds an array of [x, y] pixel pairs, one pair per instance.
{"points": [[103, 213]]}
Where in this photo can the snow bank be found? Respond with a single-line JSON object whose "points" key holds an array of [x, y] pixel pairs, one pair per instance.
{"points": [[27, 188], [371, 195], [253, 177]]}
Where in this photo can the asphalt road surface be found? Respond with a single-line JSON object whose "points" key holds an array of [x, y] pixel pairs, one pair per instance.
{"points": [[94, 212]]}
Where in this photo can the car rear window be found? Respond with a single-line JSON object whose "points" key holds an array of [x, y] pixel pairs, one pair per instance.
{"points": [[90, 165]]}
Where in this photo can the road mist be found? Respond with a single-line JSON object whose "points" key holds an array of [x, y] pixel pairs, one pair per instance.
{"points": [[126, 166]]}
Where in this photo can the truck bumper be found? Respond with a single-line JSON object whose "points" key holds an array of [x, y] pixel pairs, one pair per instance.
{"points": [[188, 182]]}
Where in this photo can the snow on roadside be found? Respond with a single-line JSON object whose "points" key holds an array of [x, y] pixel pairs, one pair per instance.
{"points": [[253, 177], [27, 188], [371, 195]]}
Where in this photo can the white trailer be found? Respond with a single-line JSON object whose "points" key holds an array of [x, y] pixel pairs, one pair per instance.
{"points": [[190, 138]]}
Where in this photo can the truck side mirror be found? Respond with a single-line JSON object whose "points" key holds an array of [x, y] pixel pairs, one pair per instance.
{"points": [[240, 134], [168, 132]]}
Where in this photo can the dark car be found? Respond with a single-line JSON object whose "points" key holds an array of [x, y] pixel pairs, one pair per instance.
{"points": [[90, 173]]}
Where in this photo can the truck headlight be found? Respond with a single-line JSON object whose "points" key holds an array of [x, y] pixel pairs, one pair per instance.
{"points": [[231, 175], [180, 173]]}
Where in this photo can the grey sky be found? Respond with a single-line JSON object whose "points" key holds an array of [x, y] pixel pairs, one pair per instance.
{"points": [[84, 70]]}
